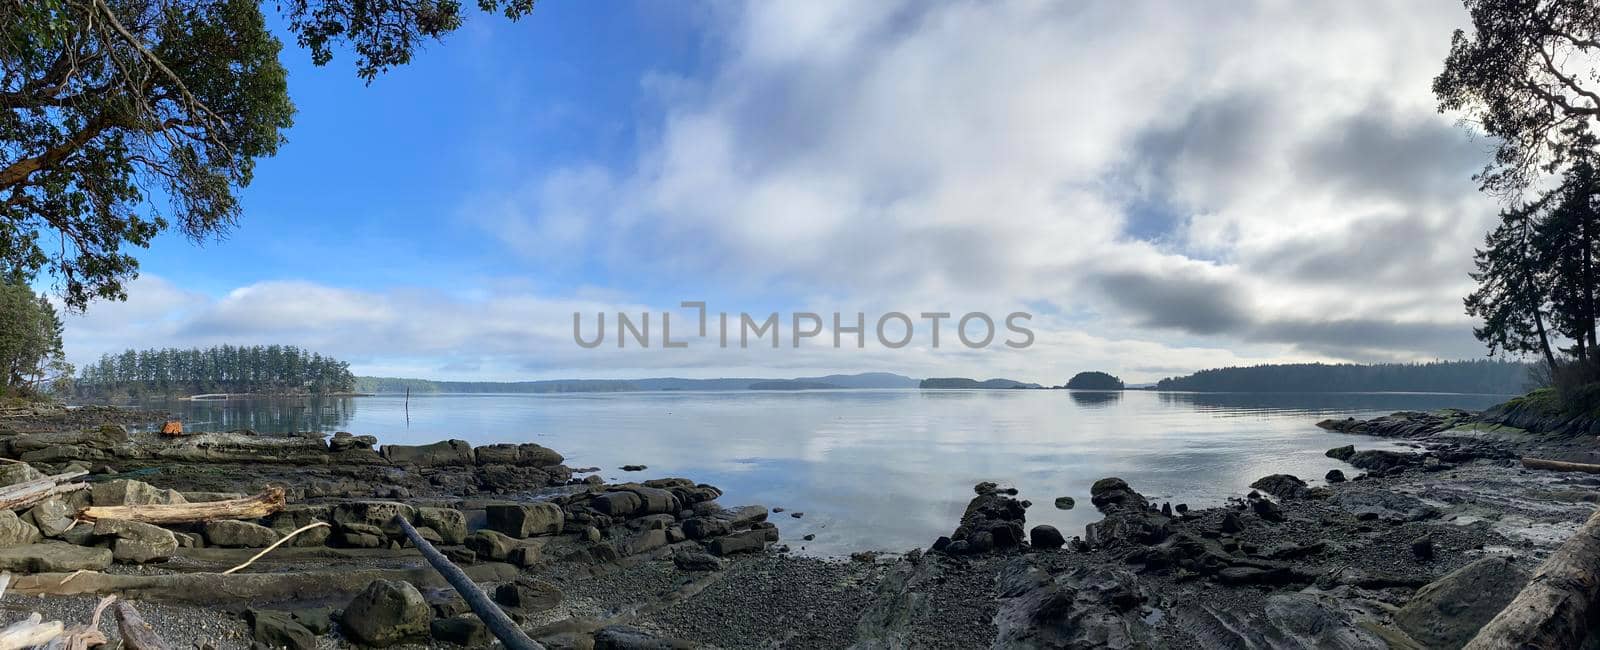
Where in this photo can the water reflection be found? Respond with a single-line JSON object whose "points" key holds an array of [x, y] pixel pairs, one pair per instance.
{"points": [[1094, 398], [266, 415], [879, 469]]}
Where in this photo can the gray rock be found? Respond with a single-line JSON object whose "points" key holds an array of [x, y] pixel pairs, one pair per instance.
{"points": [[1283, 486], [526, 455], [1086, 607], [1065, 503], [491, 545], [1447, 612], [463, 629], [656, 500], [1383, 504], [744, 542], [617, 504], [275, 629], [14, 531], [51, 516], [451, 524], [371, 513], [524, 520], [136, 541], [1334, 476], [125, 492], [239, 534], [1046, 536], [623, 637], [1316, 622], [14, 473], [696, 561], [527, 594], [444, 453], [385, 613], [53, 557]]}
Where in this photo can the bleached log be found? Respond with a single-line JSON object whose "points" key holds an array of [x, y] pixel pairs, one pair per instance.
{"points": [[136, 634], [256, 507], [28, 493], [1553, 610], [29, 632], [1560, 465]]}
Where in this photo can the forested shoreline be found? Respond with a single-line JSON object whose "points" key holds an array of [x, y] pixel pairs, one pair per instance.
{"points": [[1475, 376], [170, 372]]}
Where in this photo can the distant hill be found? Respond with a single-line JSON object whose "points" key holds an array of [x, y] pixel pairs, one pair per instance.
{"points": [[1094, 380], [790, 384], [864, 380], [963, 382], [1477, 376]]}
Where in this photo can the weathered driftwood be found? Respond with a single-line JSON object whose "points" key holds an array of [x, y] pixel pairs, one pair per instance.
{"points": [[509, 633], [83, 637], [1560, 465], [27, 493], [255, 507], [1553, 611], [136, 634], [29, 632]]}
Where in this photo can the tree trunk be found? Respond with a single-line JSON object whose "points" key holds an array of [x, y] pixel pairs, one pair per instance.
{"points": [[136, 634], [1559, 465], [1553, 610]]}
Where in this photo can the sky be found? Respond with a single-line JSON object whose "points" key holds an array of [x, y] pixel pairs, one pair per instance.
{"points": [[1163, 187]]}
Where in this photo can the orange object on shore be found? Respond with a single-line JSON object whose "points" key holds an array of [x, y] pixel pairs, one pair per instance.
{"points": [[172, 428]]}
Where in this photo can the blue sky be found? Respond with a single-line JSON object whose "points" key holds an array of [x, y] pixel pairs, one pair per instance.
{"points": [[1163, 187]]}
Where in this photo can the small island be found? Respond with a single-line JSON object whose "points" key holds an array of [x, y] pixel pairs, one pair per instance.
{"points": [[1095, 380], [963, 382]]}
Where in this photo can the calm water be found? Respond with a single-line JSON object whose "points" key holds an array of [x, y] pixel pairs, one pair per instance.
{"points": [[880, 469]]}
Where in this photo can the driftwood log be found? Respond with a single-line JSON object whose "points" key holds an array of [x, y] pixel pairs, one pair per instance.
{"points": [[27, 493], [136, 634], [1553, 610], [256, 507], [509, 633], [1560, 465]]}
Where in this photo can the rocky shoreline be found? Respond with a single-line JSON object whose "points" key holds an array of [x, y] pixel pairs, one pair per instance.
{"points": [[1419, 546]]}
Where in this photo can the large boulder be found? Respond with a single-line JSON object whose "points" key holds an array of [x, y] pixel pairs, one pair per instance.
{"points": [[14, 473], [527, 594], [526, 455], [1112, 494], [126, 492], [362, 516], [275, 629], [239, 534], [1095, 606], [445, 453], [451, 524], [656, 500], [1447, 612], [617, 504], [385, 613], [51, 516], [56, 557], [1283, 486], [299, 515], [491, 545], [522, 520], [14, 531], [137, 542]]}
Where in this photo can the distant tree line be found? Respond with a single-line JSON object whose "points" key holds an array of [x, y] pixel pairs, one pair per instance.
{"points": [[221, 369], [1477, 376]]}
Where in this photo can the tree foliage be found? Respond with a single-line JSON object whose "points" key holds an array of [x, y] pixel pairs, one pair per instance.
{"points": [[275, 369], [120, 119], [1095, 380], [1525, 75], [30, 339]]}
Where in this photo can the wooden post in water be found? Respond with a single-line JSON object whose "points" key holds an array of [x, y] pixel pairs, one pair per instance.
{"points": [[408, 406]]}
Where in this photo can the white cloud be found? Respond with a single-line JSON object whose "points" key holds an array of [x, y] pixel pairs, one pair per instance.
{"points": [[1018, 152]]}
